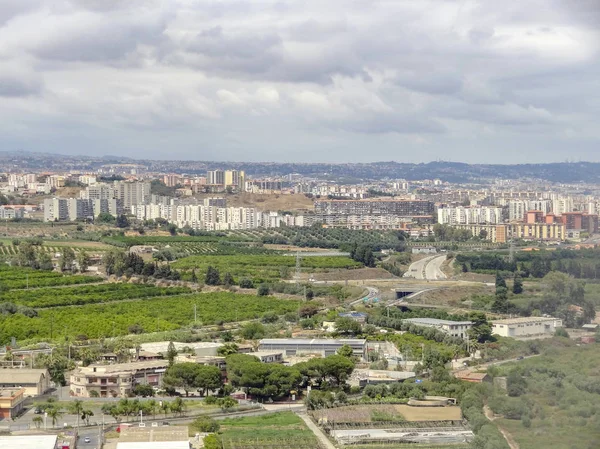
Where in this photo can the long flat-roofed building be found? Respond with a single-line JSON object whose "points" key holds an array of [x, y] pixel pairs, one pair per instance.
{"points": [[34, 381], [526, 326], [322, 346], [453, 328]]}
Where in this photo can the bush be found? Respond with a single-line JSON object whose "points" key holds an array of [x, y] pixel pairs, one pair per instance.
{"points": [[246, 283], [212, 442], [205, 424], [263, 290]]}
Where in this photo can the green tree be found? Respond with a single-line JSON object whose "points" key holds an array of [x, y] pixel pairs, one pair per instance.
{"points": [[263, 290], [346, 351], [517, 285], [500, 282], [193, 277], [54, 413], [227, 349], [171, 353], [481, 331], [66, 259], [76, 408], [192, 376], [228, 280], [212, 276], [205, 424], [178, 406], [253, 331], [143, 390], [83, 259], [345, 325], [105, 217], [122, 221]]}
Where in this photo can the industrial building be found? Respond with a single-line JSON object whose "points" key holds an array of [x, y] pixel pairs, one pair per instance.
{"points": [[452, 328], [34, 381], [526, 327], [324, 347], [28, 441]]}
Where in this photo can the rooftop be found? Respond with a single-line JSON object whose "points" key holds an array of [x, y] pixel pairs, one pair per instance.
{"points": [[154, 445], [29, 441], [313, 341], [436, 322], [10, 392], [523, 320], [121, 367], [21, 375], [162, 346]]}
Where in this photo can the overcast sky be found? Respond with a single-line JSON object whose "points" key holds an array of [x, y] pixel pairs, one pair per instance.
{"points": [[314, 80]]}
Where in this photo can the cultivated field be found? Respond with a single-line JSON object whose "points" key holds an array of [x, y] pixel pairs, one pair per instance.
{"points": [[395, 412]]}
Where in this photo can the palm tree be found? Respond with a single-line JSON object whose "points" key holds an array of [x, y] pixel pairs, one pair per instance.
{"points": [[152, 406], [37, 420], [76, 408], [86, 414], [54, 413]]}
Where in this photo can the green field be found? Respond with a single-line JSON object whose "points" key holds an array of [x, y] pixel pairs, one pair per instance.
{"points": [[154, 314], [262, 267], [87, 294], [562, 398], [20, 278], [283, 430]]}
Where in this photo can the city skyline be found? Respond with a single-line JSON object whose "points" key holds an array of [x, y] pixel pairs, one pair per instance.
{"points": [[278, 81]]}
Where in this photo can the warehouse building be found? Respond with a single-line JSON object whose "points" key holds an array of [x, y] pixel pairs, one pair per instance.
{"points": [[526, 327], [323, 347], [34, 381], [453, 328]]}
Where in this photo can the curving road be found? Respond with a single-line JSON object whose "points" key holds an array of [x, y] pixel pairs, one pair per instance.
{"points": [[428, 268]]}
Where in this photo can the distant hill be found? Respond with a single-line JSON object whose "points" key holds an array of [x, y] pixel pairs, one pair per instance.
{"points": [[561, 172]]}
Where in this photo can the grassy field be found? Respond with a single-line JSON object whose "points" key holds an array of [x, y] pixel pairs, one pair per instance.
{"points": [[562, 395], [282, 430], [262, 267], [153, 314], [22, 278]]}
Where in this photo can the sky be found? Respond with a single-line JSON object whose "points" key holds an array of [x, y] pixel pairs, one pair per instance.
{"points": [[311, 81]]}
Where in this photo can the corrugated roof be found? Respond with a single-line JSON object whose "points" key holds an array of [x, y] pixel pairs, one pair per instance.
{"points": [[309, 341], [155, 445]]}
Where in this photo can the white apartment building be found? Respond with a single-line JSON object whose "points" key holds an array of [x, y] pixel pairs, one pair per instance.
{"points": [[470, 215], [9, 213], [56, 209], [517, 209]]}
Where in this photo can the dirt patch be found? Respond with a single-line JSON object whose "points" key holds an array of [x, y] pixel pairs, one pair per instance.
{"points": [[300, 249], [353, 275], [475, 277], [293, 202], [451, 296], [364, 413]]}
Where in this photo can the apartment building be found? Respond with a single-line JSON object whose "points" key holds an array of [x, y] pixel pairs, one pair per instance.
{"points": [[517, 209], [132, 193], [215, 177], [263, 186], [116, 380], [10, 213], [469, 215], [56, 209], [356, 213]]}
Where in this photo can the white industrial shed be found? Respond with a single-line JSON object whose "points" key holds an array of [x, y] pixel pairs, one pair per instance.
{"points": [[155, 445], [29, 441]]}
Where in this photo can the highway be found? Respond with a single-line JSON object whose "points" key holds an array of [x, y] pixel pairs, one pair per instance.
{"points": [[428, 268]]}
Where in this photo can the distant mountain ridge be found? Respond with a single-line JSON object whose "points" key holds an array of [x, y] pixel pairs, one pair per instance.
{"points": [[458, 172]]}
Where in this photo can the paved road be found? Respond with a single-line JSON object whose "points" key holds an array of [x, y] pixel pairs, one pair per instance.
{"points": [[433, 269], [428, 268], [417, 269], [371, 295]]}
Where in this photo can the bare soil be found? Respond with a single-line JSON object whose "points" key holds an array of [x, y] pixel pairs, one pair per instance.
{"points": [[352, 275], [294, 202], [451, 296]]}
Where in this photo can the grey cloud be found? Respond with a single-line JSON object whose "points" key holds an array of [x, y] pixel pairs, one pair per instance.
{"points": [[14, 84], [390, 123]]}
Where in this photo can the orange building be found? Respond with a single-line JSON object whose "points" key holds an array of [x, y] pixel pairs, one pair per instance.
{"points": [[11, 402]]}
